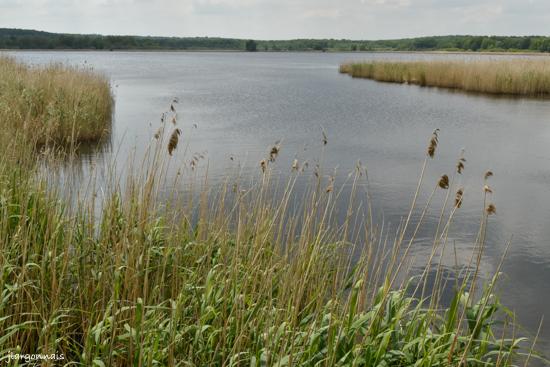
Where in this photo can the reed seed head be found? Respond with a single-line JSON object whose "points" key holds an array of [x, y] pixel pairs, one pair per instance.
{"points": [[325, 139], [433, 143], [263, 165], [458, 198], [488, 174], [460, 165], [274, 152], [330, 186], [173, 142], [491, 209], [444, 182], [295, 165], [487, 189], [359, 168]]}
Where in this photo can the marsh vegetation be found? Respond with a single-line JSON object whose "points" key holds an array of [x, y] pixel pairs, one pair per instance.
{"points": [[236, 275], [54, 104], [519, 77]]}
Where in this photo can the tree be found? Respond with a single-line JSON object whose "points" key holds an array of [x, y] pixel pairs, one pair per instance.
{"points": [[251, 46]]}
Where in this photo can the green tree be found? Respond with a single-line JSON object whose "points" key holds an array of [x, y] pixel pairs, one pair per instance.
{"points": [[251, 46]]}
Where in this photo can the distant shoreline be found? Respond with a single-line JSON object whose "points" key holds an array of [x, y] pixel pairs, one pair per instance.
{"points": [[28, 39], [433, 52]]}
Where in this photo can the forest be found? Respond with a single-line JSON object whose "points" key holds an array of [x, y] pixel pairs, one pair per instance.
{"points": [[31, 39]]}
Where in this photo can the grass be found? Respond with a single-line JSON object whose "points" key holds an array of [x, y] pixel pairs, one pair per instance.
{"points": [[237, 275], [519, 77], [54, 104]]}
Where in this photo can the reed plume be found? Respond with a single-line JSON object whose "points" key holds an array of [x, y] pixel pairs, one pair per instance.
{"points": [[460, 165], [263, 165], [157, 133], [433, 143], [173, 142], [274, 152], [444, 182], [458, 198], [330, 186]]}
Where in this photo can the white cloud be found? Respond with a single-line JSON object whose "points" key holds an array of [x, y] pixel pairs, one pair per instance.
{"points": [[322, 13], [264, 19], [390, 3]]}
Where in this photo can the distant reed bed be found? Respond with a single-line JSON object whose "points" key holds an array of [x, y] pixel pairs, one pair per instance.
{"points": [[55, 103], [520, 77]]}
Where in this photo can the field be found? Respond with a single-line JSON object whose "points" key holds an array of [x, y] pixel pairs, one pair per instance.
{"points": [[231, 276], [510, 77]]}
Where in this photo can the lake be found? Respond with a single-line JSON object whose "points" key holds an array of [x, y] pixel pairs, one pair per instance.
{"points": [[242, 103]]}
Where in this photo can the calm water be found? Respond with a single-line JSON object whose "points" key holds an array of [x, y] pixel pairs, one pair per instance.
{"points": [[242, 103]]}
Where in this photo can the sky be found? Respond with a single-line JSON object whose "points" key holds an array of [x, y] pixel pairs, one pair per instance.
{"points": [[281, 19]]}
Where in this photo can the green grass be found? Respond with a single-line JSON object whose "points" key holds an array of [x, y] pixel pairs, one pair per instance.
{"points": [[233, 276], [521, 77], [54, 104]]}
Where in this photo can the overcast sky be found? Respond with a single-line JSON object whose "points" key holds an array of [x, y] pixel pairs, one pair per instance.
{"points": [[281, 19]]}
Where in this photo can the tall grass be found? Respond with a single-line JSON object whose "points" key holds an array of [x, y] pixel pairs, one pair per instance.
{"points": [[509, 77], [236, 276], [56, 103]]}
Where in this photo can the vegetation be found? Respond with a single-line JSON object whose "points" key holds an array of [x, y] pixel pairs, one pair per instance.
{"points": [[511, 77], [233, 277], [57, 103], [29, 39], [251, 46]]}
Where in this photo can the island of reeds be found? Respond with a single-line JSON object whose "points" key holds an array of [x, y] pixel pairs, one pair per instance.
{"points": [[519, 77], [231, 276]]}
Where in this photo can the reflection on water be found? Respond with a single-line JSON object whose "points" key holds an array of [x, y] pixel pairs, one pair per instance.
{"points": [[242, 103]]}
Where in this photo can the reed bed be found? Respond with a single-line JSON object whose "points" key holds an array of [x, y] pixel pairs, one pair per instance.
{"points": [[520, 77], [234, 276], [54, 104]]}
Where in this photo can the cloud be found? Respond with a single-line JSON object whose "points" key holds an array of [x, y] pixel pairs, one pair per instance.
{"points": [[389, 3], [277, 19], [333, 13]]}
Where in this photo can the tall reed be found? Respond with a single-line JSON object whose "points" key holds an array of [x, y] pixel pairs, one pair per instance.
{"points": [[522, 77], [55, 103]]}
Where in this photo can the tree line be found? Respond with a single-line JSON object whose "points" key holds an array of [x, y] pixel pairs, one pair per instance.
{"points": [[30, 39]]}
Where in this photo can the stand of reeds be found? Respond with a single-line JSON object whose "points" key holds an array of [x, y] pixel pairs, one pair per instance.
{"points": [[521, 77], [56, 104]]}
